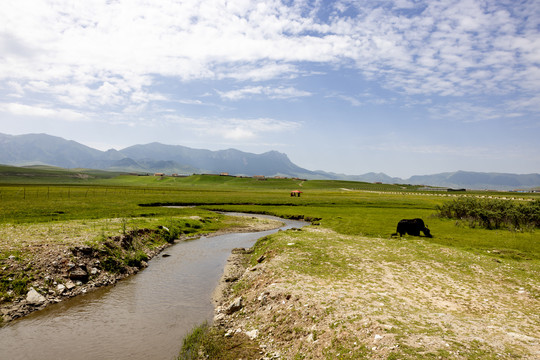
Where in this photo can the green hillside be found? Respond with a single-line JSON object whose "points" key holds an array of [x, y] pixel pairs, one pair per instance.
{"points": [[217, 181], [54, 175], [42, 174]]}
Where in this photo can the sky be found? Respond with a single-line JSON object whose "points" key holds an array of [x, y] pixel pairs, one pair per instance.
{"points": [[404, 87]]}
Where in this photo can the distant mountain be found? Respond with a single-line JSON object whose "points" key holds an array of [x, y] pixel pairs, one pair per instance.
{"points": [[231, 161], [478, 180], [455, 180], [43, 149], [368, 177]]}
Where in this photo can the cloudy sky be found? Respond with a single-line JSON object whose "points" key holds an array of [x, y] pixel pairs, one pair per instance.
{"points": [[402, 87]]}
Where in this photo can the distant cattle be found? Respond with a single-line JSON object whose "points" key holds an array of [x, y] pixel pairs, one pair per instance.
{"points": [[411, 227]]}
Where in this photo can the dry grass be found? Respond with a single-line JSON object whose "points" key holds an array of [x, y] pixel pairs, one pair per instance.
{"points": [[322, 295], [68, 233], [19, 237]]}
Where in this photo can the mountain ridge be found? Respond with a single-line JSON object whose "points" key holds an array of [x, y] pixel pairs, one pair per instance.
{"points": [[44, 149]]}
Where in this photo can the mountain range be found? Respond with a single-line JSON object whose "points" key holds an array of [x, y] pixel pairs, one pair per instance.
{"points": [[43, 149]]}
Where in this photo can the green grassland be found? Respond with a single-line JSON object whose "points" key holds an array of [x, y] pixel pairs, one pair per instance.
{"points": [[346, 251], [352, 208], [39, 174]]}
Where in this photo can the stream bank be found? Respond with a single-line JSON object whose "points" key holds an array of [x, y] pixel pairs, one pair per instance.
{"points": [[41, 272], [141, 317], [55, 273], [319, 294]]}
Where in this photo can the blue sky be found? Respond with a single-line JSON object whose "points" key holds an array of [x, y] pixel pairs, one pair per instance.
{"points": [[402, 87]]}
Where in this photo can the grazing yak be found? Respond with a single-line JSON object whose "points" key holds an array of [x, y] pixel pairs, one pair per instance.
{"points": [[411, 227]]}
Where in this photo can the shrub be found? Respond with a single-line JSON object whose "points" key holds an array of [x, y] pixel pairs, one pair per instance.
{"points": [[192, 344], [135, 258], [11, 288], [205, 342], [493, 213], [20, 286], [113, 265]]}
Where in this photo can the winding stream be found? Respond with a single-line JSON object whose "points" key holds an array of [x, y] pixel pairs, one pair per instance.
{"points": [[145, 316]]}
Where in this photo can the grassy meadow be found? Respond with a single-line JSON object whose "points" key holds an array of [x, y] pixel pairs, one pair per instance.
{"points": [[347, 207], [39, 195], [347, 253]]}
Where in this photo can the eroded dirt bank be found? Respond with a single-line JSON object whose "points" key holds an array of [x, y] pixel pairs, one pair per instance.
{"points": [[55, 272], [316, 294], [45, 270]]}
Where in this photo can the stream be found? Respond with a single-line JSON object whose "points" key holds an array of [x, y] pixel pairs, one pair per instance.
{"points": [[145, 316]]}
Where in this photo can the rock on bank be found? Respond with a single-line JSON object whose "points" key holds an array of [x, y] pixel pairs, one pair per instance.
{"points": [[51, 273]]}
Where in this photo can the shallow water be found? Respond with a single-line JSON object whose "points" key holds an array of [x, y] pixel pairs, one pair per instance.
{"points": [[142, 317]]}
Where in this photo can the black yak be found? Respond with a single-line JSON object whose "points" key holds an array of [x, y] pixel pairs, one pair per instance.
{"points": [[411, 227]]}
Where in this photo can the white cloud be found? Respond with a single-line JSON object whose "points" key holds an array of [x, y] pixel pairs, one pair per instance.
{"points": [[468, 112], [190, 102], [256, 71], [234, 128], [354, 101], [526, 103], [40, 111], [16, 90], [242, 93], [404, 4], [242, 129], [140, 96], [273, 93], [366, 98], [238, 133], [103, 53]]}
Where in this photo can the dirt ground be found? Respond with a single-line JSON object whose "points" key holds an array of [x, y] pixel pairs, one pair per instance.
{"points": [[317, 294]]}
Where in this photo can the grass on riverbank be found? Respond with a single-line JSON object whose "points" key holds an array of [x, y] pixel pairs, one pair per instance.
{"points": [[323, 295], [205, 339], [377, 216]]}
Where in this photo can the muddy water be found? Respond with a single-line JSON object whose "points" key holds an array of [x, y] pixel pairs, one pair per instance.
{"points": [[142, 317]]}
